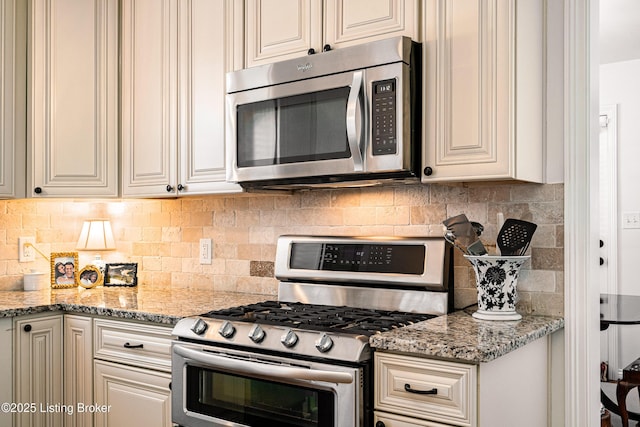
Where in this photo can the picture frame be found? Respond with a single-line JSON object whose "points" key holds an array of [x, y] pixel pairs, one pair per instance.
{"points": [[64, 270], [121, 274], [90, 277]]}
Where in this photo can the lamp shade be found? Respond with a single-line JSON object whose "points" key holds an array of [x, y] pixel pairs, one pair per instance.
{"points": [[96, 235]]}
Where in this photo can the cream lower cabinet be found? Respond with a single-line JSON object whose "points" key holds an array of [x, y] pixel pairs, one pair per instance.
{"points": [[38, 370], [132, 374], [175, 54], [13, 96], [513, 390], [284, 29], [72, 107], [484, 90], [78, 369]]}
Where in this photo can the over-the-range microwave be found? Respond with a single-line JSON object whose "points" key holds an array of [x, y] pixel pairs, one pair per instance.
{"points": [[335, 118]]}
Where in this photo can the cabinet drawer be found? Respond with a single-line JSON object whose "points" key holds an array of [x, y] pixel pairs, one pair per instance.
{"points": [[393, 420], [136, 344], [453, 384]]}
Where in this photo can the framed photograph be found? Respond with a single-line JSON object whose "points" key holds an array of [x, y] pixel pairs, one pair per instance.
{"points": [[64, 270], [90, 276], [121, 274]]}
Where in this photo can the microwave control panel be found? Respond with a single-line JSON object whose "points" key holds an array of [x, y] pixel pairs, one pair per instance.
{"points": [[383, 117]]}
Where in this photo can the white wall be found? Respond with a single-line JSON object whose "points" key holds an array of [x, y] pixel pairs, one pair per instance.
{"points": [[620, 84]]}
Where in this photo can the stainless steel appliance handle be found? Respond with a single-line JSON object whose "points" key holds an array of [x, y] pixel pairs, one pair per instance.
{"points": [[354, 131], [272, 371]]}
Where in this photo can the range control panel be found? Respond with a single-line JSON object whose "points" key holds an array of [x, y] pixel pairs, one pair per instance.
{"points": [[383, 117]]}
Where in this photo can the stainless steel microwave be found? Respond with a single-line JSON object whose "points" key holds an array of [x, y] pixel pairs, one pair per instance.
{"points": [[332, 118]]}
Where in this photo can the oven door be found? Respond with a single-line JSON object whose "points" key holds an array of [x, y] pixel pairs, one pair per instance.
{"points": [[231, 388]]}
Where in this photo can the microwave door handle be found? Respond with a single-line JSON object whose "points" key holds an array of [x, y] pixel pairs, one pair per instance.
{"points": [[257, 368], [354, 131]]}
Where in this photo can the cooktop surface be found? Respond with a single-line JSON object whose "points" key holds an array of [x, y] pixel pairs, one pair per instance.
{"points": [[319, 317]]}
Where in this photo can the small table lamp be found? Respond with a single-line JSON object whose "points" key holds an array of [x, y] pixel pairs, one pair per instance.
{"points": [[96, 235]]}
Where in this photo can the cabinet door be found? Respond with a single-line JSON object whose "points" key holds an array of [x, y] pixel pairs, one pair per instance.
{"points": [[38, 370], [13, 96], [78, 368], [281, 29], [149, 91], [73, 103], [205, 54], [132, 397], [483, 90], [349, 22]]}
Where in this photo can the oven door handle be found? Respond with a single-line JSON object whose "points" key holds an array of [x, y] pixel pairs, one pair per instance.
{"points": [[273, 371], [354, 132]]}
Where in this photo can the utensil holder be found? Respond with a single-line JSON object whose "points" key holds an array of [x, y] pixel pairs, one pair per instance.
{"points": [[496, 279]]}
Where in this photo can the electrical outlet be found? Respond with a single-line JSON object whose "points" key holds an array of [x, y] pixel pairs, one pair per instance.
{"points": [[26, 252], [631, 220], [205, 251]]}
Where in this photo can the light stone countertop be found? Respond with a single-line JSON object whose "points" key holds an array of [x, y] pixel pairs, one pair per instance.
{"points": [[460, 337], [456, 336], [157, 305]]}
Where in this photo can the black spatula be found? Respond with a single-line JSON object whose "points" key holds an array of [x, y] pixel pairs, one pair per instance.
{"points": [[515, 236]]}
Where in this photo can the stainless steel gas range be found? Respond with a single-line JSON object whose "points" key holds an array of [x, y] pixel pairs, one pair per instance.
{"points": [[305, 360]]}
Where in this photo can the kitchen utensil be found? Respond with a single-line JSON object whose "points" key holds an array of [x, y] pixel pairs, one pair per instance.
{"points": [[477, 227], [451, 238], [515, 236], [465, 234]]}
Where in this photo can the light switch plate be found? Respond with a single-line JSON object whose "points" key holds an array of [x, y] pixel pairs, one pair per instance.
{"points": [[205, 251], [631, 220]]}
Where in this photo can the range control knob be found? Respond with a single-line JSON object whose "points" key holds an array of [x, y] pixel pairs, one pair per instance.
{"points": [[289, 339], [199, 327], [257, 334], [324, 343], [227, 330]]}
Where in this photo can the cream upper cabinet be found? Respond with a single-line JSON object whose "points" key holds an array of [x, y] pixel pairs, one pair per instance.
{"points": [[72, 111], [174, 58], [483, 90], [285, 29], [13, 95]]}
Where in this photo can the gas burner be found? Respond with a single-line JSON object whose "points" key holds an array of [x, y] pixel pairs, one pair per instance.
{"points": [[317, 317]]}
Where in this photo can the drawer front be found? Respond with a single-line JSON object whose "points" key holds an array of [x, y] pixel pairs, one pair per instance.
{"points": [[393, 420], [135, 344], [452, 386]]}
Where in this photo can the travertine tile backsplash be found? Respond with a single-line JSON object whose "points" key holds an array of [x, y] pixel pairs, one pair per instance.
{"points": [[163, 235]]}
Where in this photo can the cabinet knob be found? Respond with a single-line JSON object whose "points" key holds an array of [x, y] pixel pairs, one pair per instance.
{"points": [[169, 188], [37, 190], [428, 171], [311, 51], [26, 328], [326, 48], [380, 424], [181, 187]]}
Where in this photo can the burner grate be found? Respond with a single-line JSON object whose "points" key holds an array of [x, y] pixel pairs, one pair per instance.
{"points": [[320, 317]]}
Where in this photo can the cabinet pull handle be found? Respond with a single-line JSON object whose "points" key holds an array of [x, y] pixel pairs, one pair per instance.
{"points": [[128, 345], [407, 388]]}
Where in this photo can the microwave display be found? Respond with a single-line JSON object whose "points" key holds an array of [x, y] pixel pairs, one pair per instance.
{"points": [[384, 118]]}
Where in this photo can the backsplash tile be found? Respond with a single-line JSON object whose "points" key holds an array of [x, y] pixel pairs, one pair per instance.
{"points": [[162, 236]]}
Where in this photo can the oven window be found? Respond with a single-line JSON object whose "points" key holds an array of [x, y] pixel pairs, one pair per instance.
{"points": [[257, 402], [294, 129]]}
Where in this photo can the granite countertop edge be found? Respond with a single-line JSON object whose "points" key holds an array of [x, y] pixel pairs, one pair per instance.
{"points": [[458, 336]]}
